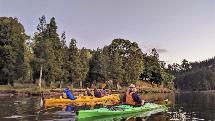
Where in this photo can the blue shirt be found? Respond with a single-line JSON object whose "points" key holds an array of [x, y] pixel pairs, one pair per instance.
{"points": [[69, 94]]}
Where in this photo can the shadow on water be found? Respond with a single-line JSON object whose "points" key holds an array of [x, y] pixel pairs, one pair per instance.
{"points": [[183, 107]]}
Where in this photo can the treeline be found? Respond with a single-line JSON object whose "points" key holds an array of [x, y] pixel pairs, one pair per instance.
{"points": [[194, 75], [47, 60]]}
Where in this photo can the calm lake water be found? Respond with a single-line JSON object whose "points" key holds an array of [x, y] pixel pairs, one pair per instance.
{"points": [[183, 107]]}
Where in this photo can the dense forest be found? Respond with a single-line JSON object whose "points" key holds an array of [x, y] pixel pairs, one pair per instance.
{"points": [[194, 76], [45, 59]]}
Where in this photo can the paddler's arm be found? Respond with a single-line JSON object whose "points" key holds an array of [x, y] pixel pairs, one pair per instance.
{"points": [[69, 94]]}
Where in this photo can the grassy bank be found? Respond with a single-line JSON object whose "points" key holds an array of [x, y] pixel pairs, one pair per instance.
{"points": [[28, 90], [9, 90]]}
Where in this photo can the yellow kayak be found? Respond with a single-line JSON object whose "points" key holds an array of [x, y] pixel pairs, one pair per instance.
{"points": [[114, 98]]}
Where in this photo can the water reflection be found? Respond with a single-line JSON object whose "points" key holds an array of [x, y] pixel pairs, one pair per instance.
{"points": [[183, 107], [197, 106]]}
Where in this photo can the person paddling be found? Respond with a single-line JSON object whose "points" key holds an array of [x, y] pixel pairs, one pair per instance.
{"points": [[97, 93], [104, 92], [69, 94], [88, 92], [132, 98]]}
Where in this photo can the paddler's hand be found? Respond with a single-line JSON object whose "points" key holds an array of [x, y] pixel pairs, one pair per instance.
{"points": [[142, 102]]}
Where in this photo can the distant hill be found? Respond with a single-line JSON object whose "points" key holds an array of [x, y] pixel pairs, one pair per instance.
{"points": [[194, 76]]}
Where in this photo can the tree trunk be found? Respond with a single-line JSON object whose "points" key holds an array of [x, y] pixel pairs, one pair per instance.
{"points": [[118, 86], [51, 84], [40, 79], [81, 84]]}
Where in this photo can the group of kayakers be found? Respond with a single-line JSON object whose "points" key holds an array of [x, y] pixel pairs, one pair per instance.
{"points": [[96, 93], [130, 97]]}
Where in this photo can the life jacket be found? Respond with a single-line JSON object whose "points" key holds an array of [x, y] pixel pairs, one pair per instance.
{"points": [[129, 99]]}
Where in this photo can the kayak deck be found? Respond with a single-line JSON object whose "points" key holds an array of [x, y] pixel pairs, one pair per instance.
{"points": [[118, 110]]}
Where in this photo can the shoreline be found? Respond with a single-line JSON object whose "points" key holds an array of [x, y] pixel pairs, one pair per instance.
{"points": [[58, 92], [200, 91]]}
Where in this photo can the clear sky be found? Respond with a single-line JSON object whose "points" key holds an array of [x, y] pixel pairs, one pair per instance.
{"points": [[178, 29]]}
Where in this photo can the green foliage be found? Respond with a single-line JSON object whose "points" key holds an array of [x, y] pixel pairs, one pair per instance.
{"points": [[65, 58], [155, 71], [195, 76], [155, 54], [122, 61], [84, 57], [12, 47], [167, 79], [98, 66], [48, 52], [152, 70], [74, 62]]}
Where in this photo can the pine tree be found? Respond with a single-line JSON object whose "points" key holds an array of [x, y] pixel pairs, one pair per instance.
{"points": [[48, 54], [74, 62], [94, 67], [56, 60], [65, 58], [84, 57]]}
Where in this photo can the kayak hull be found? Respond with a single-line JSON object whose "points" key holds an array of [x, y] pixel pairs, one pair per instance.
{"points": [[120, 110], [82, 100]]}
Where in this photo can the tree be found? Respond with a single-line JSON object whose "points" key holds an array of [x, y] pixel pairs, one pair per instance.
{"points": [[98, 67], [48, 52], [155, 54], [185, 66], [176, 67], [115, 71], [155, 70], [56, 48], [74, 63], [126, 58], [167, 79], [28, 55], [40, 50], [195, 75], [12, 50], [84, 57], [152, 68], [65, 58]]}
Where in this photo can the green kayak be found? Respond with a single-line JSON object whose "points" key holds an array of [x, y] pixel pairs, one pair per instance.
{"points": [[118, 110]]}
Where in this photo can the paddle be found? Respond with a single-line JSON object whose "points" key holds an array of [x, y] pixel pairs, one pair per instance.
{"points": [[41, 100], [116, 108], [154, 101]]}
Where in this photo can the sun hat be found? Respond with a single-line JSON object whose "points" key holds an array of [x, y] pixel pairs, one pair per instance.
{"points": [[132, 86]]}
